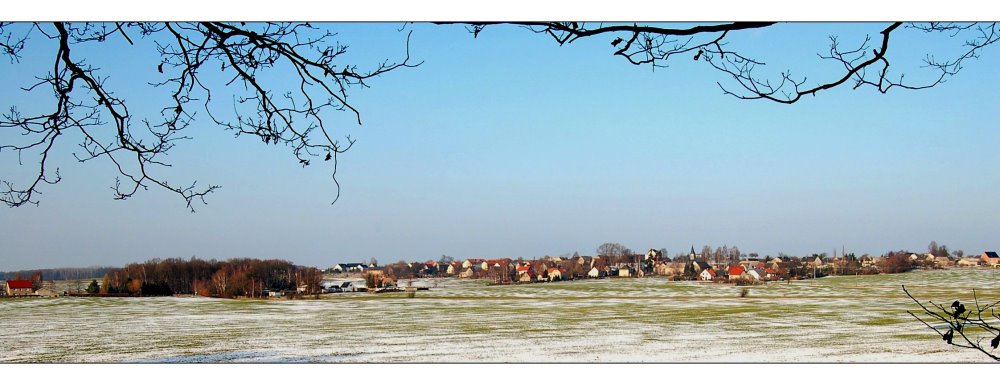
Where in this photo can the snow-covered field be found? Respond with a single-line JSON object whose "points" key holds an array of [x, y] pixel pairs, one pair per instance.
{"points": [[833, 319]]}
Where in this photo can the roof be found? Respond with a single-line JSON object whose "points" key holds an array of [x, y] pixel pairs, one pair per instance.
{"points": [[991, 254], [736, 270], [19, 284], [349, 265], [702, 264]]}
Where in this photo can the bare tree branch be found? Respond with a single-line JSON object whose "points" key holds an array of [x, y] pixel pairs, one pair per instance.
{"points": [[246, 54], [654, 46], [965, 327]]}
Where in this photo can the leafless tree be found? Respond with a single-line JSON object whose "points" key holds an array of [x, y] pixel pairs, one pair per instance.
{"points": [[192, 57], [706, 252], [966, 327], [863, 64], [616, 252]]}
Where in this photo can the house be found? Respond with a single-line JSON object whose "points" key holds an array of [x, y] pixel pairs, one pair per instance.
{"points": [[19, 288], [453, 268], [430, 268], [525, 273], [990, 258], [349, 267], [756, 274], [467, 273], [751, 263], [593, 273], [555, 274], [349, 287], [867, 261], [707, 274], [494, 263], [735, 271], [470, 262]]}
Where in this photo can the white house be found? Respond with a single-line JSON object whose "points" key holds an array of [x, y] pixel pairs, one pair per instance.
{"points": [[757, 274], [349, 267]]}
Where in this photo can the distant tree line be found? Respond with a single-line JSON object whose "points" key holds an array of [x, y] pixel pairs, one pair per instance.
{"points": [[227, 279], [60, 274]]}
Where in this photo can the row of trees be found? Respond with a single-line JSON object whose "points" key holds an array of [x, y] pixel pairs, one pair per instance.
{"points": [[227, 279], [58, 274]]}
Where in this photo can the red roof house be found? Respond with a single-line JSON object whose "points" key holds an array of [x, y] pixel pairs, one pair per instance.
{"points": [[17, 287]]}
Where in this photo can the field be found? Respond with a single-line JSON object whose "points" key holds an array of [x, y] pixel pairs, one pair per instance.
{"points": [[832, 319]]}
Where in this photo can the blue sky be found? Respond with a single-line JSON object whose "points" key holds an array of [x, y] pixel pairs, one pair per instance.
{"points": [[510, 145]]}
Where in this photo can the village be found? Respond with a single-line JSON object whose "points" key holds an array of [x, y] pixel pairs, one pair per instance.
{"points": [[709, 267], [738, 270]]}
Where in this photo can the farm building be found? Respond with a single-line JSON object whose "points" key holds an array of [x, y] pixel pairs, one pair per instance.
{"points": [[943, 262], [969, 262], [18, 288], [669, 268], [47, 292]]}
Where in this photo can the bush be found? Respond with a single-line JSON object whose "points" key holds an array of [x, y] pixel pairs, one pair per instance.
{"points": [[94, 287], [744, 292]]}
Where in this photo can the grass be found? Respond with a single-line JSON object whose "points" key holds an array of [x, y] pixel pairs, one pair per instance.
{"points": [[613, 319], [883, 321]]}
